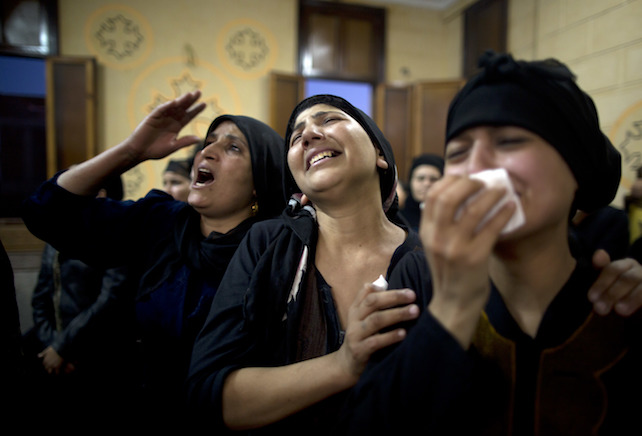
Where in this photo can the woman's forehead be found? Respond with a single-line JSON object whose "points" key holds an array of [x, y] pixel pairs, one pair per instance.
{"points": [[227, 128], [317, 110]]}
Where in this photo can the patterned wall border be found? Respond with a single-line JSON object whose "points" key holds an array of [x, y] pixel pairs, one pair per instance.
{"points": [[247, 48], [119, 36], [162, 81]]}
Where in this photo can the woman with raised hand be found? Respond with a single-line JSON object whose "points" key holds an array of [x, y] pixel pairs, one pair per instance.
{"points": [[297, 317], [519, 336], [178, 251]]}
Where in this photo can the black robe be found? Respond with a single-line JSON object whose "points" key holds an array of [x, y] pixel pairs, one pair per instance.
{"points": [[256, 317], [580, 372]]}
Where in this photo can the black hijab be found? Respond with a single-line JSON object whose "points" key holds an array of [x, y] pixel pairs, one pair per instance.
{"points": [[182, 167]]}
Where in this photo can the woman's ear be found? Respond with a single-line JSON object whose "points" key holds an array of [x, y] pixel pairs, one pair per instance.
{"points": [[382, 163]]}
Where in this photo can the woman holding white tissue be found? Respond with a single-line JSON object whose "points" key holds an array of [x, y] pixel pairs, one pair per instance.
{"points": [[297, 316], [532, 351]]}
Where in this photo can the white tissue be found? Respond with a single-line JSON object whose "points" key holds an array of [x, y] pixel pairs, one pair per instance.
{"points": [[495, 179], [381, 283]]}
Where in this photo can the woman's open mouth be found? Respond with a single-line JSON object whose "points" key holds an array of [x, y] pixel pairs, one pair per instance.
{"points": [[203, 177], [321, 156]]}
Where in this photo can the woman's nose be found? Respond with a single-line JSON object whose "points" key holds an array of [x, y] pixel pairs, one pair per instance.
{"points": [[310, 133], [482, 157], [210, 151]]}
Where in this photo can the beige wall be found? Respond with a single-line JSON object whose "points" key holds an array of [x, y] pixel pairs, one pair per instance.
{"points": [[176, 47], [421, 43], [204, 43], [180, 43]]}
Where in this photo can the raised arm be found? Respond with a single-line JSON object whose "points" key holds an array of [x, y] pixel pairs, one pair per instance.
{"points": [[154, 138], [458, 254]]}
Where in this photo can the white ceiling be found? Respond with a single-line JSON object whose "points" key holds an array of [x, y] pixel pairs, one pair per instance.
{"points": [[430, 4]]}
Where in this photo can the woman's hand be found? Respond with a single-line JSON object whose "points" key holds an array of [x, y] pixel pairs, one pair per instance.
{"points": [[619, 286], [257, 396], [372, 311], [53, 362], [458, 250], [154, 138], [157, 135]]}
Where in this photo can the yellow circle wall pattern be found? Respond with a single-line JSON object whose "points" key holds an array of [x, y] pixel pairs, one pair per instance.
{"points": [[246, 48], [119, 36], [626, 136], [172, 77], [165, 80]]}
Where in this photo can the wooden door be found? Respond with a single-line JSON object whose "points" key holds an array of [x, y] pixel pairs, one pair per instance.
{"points": [[431, 102], [485, 27], [393, 109], [286, 91], [341, 41], [70, 107], [71, 111]]}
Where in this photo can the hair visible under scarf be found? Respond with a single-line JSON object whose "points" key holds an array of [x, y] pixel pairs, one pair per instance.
{"points": [[542, 96], [266, 153], [387, 177]]}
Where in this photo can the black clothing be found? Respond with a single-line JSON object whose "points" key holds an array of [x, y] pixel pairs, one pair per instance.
{"points": [[578, 372], [11, 357], [159, 239], [85, 314], [606, 228], [75, 306], [259, 311], [411, 213], [169, 256]]}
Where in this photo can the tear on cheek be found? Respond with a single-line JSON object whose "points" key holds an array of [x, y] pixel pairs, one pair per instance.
{"points": [[498, 178]]}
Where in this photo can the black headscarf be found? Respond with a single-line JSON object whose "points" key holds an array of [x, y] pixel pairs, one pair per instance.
{"points": [[387, 177], [542, 96], [412, 211], [432, 160], [266, 152], [180, 166]]}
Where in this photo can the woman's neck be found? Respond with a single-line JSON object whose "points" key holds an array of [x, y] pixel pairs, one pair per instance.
{"points": [[529, 275], [354, 224], [220, 224], [356, 244]]}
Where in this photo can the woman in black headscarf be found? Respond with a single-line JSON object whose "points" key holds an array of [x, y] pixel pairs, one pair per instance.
{"points": [[297, 319], [177, 178], [530, 351], [177, 251], [425, 170]]}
